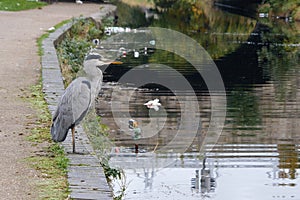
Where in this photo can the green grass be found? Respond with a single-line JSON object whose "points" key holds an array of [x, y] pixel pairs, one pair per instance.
{"points": [[38, 102], [52, 165], [50, 162], [40, 42], [17, 5]]}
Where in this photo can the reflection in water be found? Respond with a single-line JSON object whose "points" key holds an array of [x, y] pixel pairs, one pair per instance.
{"points": [[198, 19], [154, 134], [204, 182], [230, 171], [257, 155]]}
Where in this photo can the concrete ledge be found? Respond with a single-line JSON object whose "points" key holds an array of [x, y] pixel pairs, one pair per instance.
{"points": [[85, 174]]}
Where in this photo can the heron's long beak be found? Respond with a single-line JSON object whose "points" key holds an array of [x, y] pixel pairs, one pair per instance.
{"points": [[116, 62]]}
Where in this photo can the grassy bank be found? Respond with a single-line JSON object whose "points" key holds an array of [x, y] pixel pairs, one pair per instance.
{"points": [[71, 52], [17, 5], [75, 45], [50, 161]]}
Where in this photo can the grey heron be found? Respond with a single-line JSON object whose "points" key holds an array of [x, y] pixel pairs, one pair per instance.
{"points": [[77, 99]]}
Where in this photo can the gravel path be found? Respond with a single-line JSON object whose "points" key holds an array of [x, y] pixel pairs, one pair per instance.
{"points": [[20, 68]]}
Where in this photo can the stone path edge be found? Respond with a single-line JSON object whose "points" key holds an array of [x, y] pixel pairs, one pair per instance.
{"points": [[85, 175]]}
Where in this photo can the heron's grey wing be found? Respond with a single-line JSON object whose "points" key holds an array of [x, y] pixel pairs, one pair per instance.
{"points": [[63, 117], [81, 100], [71, 109]]}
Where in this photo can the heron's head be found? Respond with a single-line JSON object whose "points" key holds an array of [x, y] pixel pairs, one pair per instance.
{"points": [[94, 64]]}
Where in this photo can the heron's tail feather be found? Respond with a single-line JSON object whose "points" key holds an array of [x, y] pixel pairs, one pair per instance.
{"points": [[58, 131]]}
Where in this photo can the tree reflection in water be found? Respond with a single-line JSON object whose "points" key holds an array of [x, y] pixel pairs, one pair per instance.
{"points": [[259, 62]]}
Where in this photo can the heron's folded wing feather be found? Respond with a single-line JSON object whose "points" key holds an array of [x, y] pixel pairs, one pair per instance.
{"points": [[81, 100], [71, 108], [74, 102]]}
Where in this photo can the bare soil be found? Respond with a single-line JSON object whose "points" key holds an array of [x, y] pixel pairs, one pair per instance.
{"points": [[19, 69]]}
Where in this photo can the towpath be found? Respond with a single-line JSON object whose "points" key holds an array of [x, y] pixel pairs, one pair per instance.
{"points": [[20, 68]]}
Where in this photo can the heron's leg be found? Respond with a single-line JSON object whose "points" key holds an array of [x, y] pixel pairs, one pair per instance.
{"points": [[73, 138]]}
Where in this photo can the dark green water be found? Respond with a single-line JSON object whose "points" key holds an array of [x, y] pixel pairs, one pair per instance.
{"points": [[257, 153]]}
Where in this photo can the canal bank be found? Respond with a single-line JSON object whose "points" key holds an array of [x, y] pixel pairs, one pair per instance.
{"points": [[19, 70], [85, 174]]}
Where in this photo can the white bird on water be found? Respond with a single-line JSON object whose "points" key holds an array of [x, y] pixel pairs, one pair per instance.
{"points": [[78, 2], [153, 104]]}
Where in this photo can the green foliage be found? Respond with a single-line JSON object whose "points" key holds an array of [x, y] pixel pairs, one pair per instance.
{"points": [[110, 173], [73, 52], [281, 57], [92, 123], [164, 3], [286, 4], [282, 8], [83, 28], [75, 45], [97, 133], [130, 16], [108, 21], [94, 32], [17, 5], [115, 174], [195, 19]]}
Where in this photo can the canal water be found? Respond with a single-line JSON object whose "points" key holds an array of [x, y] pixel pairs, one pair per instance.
{"points": [[256, 156]]}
